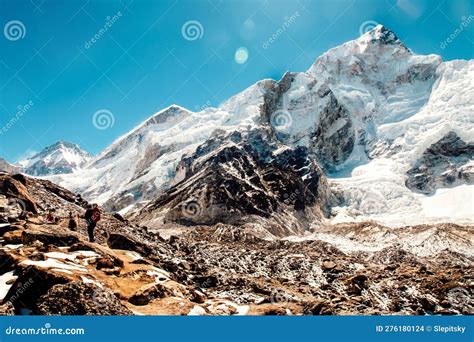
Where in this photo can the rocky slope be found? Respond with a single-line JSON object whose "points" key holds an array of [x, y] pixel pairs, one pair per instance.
{"points": [[47, 269], [59, 158]]}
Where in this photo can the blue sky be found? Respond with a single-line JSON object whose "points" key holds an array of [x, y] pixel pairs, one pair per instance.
{"points": [[142, 62]]}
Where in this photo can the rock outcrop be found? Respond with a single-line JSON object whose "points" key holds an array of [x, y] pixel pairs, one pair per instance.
{"points": [[447, 163]]}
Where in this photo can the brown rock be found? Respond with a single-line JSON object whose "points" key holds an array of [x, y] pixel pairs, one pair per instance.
{"points": [[148, 293], [427, 304], [80, 299], [14, 189], [13, 237], [7, 309], [328, 265], [121, 241], [197, 296]]}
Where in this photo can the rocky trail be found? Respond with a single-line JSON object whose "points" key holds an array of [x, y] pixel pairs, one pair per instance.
{"points": [[48, 269]]}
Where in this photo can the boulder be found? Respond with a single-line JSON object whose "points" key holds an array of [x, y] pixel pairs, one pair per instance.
{"points": [[121, 241], [50, 235], [18, 193], [80, 299], [148, 293], [7, 309]]}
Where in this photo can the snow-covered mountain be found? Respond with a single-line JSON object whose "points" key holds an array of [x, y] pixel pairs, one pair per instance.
{"points": [[60, 158], [387, 126]]}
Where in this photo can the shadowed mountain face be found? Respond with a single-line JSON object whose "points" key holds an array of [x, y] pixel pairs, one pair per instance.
{"points": [[243, 178], [447, 163]]}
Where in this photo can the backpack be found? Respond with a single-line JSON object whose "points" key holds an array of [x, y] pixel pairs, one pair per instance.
{"points": [[96, 215]]}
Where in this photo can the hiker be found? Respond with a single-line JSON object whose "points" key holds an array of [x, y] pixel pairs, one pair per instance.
{"points": [[72, 222], [50, 216], [92, 216]]}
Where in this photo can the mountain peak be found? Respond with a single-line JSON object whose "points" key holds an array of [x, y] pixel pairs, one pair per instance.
{"points": [[62, 143], [172, 112], [60, 157], [381, 34], [378, 47]]}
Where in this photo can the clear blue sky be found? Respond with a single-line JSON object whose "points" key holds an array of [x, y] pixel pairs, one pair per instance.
{"points": [[142, 63]]}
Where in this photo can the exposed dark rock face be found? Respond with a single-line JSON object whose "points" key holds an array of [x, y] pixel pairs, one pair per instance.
{"points": [[273, 96], [443, 164], [334, 139], [230, 179]]}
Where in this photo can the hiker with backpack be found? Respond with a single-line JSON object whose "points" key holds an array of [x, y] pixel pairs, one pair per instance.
{"points": [[92, 216], [72, 224], [50, 218]]}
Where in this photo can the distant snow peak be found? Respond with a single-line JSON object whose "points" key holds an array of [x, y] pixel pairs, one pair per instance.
{"points": [[58, 158]]}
